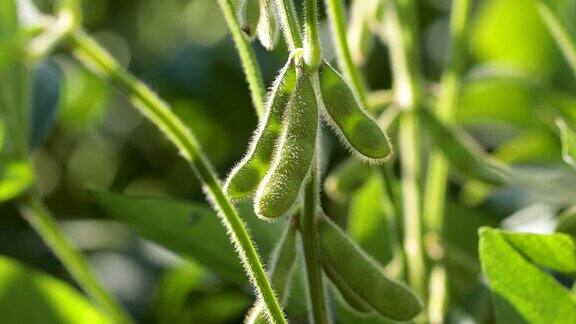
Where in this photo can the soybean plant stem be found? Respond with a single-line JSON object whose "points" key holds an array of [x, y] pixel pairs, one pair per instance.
{"points": [[247, 57], [436, 182], [312, 50], [564, 38], [310, 245], [337, 18], [407, 83], [40, 218], [95, 58], [289, 23]]}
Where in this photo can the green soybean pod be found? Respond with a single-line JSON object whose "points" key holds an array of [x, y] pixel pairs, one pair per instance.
{"points": [[282, 267], [246, 175], [346, 178], [249, 16], [268, 31], [359, 277], [345, 114], [279, 190]]}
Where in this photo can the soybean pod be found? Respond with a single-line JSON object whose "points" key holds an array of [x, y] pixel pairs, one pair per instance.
{"points": [[268, 30], [249, 16], [360, 279], [346, 115], [245, 177], [281, 185]]}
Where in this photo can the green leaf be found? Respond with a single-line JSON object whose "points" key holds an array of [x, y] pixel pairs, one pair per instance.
{"points": [[29, 296], [464, 154], [190, 229], [567, 221], [555, 251], [346, 178], [368, 221], [185, 296], [15, 177], [9, 33], [568, 138], [522, 293]]}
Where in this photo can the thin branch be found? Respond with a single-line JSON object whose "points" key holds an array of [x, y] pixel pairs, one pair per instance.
{"points": [[95, 58]]}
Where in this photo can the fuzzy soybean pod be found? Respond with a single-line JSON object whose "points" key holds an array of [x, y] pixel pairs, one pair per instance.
{"points": [[279, 190], [346, 115], [282, 267], [360, 279], [249, 16], [268, 31], [245, 177]]}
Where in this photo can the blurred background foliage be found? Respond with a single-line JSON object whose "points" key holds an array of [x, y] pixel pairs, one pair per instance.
{"points": [[93, 139]]}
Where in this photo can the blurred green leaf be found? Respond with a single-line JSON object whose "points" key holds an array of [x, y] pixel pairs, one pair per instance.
{"points": [[9, 33], [568, 138], [189, 229], [15, 177], [31, 297], [172, 290], [46, 97], [503, 32], [462, 152], [567, 221], [521, 292], [85, 98], [367, 221], [346, 178], [184, 295]]}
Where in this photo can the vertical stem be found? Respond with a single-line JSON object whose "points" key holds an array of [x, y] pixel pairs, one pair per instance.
{"points": [[337, 18], [564, 38], [437, 176], [96, 59], [310, 245], [247, 57], [407, 83], [289, 23], [39, 217], [312, 50]]}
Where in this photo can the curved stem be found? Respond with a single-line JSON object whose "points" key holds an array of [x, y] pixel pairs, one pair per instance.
{"points": [[437, 176], [95, 58], [289, 23], [407, 83], [317, 296], [247, 57], [40, 218], [337, 18], [312, 50]]}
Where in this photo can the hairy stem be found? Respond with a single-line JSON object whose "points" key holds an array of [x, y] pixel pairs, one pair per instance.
{"points": [[95, 58], [312, 50], [317, 296], [40, 218], [289, 23], [407, 82], [437, 176], [337, 18], [247, 57]]}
